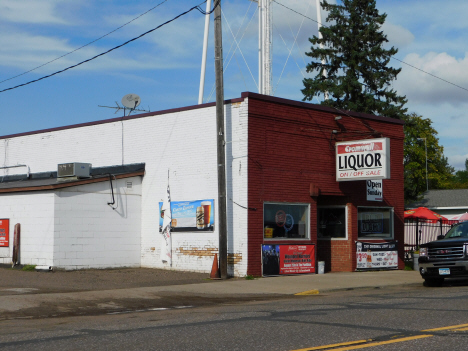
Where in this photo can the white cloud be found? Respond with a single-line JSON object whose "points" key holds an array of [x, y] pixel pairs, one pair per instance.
{"points": [[458, 161], [397, 36], [166, 48], [451, 123], [16, 42], [24, 51], [424, 87], [30, 11]]}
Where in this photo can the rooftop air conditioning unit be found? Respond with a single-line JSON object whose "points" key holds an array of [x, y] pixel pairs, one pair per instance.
{"points": [[74, 169]]}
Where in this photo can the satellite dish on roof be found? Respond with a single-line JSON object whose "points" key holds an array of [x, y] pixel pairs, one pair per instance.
{"points": [[131, 100]]}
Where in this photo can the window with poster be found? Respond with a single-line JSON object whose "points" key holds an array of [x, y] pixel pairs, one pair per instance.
{"points": [[375, 222], [286, 221], [332, 222]]}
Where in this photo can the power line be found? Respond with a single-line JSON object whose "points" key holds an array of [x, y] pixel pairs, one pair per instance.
{"points": [[119, 46], [430, 74], [442, 79], [81, 47]]}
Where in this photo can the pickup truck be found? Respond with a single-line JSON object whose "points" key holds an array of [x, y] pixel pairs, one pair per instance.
{"points": [[446, 257]]}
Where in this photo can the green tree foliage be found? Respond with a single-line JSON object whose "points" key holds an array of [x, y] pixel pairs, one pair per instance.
{"points": [[440, 173], [461, 178], [358, 77]]}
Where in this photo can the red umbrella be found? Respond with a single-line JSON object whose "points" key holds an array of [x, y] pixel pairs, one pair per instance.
{"points": [[423, 213]]}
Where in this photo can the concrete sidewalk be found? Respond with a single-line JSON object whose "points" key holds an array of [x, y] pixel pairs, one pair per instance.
{"points": [[56, 304]]}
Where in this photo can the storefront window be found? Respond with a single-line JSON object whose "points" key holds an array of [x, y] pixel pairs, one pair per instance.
{"points": [[285, 221], [331, 222], [375, 222]]}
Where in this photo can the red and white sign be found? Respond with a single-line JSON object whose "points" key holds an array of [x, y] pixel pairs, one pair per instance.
{"points": [[363, 159], [296, 259], [4, 232]]}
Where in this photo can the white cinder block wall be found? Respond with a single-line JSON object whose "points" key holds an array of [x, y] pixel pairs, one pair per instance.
{"points": [[236, 178], [35, 213], [181, 144], [91, 234]]}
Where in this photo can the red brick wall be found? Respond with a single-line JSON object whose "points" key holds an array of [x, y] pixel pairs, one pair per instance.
{"points": [[291, 146]]}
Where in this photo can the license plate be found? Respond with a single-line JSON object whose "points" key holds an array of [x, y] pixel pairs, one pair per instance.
{"points": [[444, 271]]}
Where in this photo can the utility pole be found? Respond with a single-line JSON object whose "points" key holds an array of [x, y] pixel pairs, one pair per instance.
{"points": [[221, 143]]}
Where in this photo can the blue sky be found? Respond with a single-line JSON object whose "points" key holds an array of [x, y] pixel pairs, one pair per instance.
{"points": [[164, 66]]}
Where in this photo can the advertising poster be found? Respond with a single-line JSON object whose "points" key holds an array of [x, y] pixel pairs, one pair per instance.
{"points": [[190, 216], [376, 255], [288, 259], [4, 232], [270, 259]]}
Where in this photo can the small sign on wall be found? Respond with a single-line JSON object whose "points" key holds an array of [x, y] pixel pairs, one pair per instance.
{"points": [[374, 190], [4, 232], [376, 255], [287, 259]]}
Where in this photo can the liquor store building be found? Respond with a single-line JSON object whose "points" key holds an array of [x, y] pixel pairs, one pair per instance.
{"points": [[305, 184]]}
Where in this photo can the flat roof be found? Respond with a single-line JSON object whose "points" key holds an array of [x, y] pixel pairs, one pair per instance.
{"points": [[49, 181], [244, 95]]}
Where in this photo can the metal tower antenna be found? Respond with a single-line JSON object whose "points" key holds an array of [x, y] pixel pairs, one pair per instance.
{"points": [[265, 42], [205, 50]]}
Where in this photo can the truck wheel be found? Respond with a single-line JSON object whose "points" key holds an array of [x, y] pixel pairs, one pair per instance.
{"points": [[433, 281]]}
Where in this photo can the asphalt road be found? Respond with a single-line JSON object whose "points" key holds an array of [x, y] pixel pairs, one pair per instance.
{"points": [[394, 318]]}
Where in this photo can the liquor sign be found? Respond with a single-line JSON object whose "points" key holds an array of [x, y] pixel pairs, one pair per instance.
{"points": [[376, 255], [288, 259], [374, 190], [4, 232], [363, 159]]}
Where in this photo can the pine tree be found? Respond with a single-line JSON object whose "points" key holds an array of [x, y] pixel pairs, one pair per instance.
{"points": [[356, 63]]}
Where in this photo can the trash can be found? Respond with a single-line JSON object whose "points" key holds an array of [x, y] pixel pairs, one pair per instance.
{"points": [[321, 267]]}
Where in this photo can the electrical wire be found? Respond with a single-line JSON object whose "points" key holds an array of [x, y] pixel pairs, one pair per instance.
{"points": [[81, 47], [231, 56], [392, 57], [432, 75], [119, 46], [238, 65], [237, 45], [290, 51]]}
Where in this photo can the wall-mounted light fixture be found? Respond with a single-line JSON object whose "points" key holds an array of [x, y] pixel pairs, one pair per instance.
{"points": [[337, 118]]}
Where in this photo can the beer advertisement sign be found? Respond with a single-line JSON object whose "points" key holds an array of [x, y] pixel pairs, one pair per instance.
{"points": [[4, 232], [376, 255], [288, 259], [190, 216], [363, 159]]}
